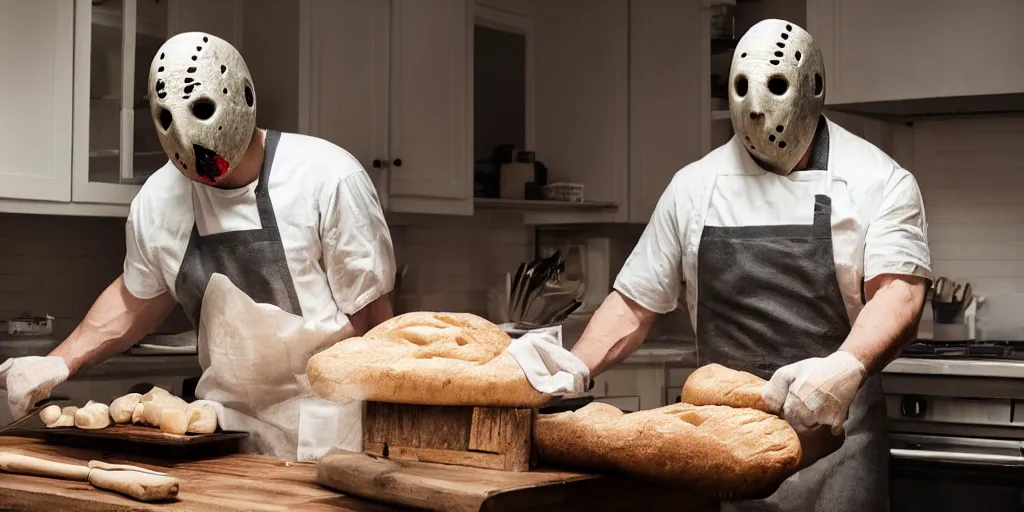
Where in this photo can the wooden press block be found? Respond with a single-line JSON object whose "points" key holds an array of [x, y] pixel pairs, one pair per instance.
{"points": [[482, 437]]}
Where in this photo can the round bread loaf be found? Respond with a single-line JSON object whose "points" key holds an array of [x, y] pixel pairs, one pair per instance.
{"points": [[425, 358]]}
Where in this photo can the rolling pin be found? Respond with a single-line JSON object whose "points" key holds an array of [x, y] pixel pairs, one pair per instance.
{"points": [[135, 482]]}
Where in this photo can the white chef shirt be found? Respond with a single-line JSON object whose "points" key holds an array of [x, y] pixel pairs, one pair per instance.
{"points": [[336, 240], [878, 219]]}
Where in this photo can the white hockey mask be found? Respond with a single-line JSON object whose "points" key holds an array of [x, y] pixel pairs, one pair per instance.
{"points": [[203, 105], [776, 92]]}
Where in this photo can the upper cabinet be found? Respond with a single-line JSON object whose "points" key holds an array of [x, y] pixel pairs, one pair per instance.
{"points": [[391, 83], [582, 98], [667, 105], [905, 58], [116, 146], [37, 51]]}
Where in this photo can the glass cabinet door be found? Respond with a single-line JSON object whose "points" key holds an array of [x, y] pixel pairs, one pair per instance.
{"points": [[123, 147]]}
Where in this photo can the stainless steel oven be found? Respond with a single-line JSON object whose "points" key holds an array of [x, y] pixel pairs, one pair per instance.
{"points": [[940, 473], [956, 434]]}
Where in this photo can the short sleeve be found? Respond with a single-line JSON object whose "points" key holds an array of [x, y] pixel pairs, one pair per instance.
{"points": [[142, 277], [358, 254], [652, 275], [897, 239]]}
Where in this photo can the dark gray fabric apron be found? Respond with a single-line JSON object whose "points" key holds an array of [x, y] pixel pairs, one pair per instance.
{"points": [[768, 296], [254, 260]]}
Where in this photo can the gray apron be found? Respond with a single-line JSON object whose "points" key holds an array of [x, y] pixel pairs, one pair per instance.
{"points": [[767, 297], [254, 260]]}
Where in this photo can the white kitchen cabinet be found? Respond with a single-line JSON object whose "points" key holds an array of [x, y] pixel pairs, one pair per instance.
{"points": [[881, 50], [665, 107], [116, 146], [643, 383], [582, 96], [391, 83], [36, 53]]}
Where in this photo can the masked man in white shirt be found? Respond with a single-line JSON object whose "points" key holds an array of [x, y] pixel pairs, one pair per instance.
{"points": [[273, 243], [802, 252]]}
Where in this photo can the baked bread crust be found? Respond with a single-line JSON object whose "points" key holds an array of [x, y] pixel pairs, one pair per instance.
{"points": [[715, 384], [426, 358], [719, 450]]}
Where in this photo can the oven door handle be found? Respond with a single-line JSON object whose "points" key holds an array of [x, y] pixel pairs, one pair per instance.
{"points": [[957, 457]]}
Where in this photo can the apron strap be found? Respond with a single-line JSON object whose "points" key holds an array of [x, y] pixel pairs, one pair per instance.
{"points": [[266, 209]]}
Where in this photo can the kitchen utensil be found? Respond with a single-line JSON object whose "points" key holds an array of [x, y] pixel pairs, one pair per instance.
{"points": [[40, 405], [537, 273]]}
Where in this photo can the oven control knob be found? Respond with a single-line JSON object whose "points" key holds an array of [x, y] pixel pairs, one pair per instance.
{"points": [[913, 406]]}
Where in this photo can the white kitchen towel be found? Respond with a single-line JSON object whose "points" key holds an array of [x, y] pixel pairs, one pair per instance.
{"points": [[550, 368]]}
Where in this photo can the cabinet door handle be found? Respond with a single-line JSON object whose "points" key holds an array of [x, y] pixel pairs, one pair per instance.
{"points": [[379, 164], [398, 162]]}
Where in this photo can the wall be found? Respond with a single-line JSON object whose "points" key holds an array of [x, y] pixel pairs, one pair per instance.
{"points": [[59, 265], [270, 44], [971, 173]]}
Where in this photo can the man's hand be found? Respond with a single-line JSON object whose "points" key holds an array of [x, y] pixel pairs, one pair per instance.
{"points": [[815, 391], [30, 379]]}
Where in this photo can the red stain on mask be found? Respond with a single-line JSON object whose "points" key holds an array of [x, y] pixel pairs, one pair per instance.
{"points": [[209, 165]]}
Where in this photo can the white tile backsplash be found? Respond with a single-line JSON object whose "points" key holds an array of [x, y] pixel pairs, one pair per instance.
{"points": [[59, 265]]}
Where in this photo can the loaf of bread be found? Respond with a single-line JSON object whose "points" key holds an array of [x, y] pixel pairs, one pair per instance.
{"points": [[715, 384], [425, 358], [719, 450]]}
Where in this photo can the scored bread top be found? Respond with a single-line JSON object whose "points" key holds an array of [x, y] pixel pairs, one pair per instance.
{"points": [[717, 449], [459, 336], [425, 358]]}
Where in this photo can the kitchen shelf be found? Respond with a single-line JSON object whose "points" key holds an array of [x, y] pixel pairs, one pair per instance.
{"points": [[541, 205], [110, 153], [721, 115]]}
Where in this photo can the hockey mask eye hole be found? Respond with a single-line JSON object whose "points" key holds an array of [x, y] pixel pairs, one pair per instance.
{"points": [[165, 119], [778, 85], [203, 109], [741, 86]]}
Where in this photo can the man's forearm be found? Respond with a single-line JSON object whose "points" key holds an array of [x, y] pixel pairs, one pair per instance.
{"points": [[115, 322], [372, 315], [616, 330], [888, 322]]}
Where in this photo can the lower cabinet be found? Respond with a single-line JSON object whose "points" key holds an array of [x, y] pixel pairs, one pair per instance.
{"points": [[633, 387]]}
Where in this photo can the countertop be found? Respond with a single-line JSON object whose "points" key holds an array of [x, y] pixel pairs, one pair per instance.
{"points": [[679, 353], [248, 483], [128, 366]]}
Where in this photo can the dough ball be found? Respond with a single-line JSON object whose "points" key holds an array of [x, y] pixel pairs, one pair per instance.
{"points": [[121, 409], [153, 412], [93, 416], [65, 420], [155, 393], [50, 414], [203, 419], [138, 412], [174, 420]]}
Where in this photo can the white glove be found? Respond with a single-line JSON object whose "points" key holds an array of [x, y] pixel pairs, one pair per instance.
{"points": [[550, 368], [815, 391], [30, 379]]}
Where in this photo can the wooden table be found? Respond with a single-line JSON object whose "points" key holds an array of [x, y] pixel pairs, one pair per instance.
{"points": [[228, 483]]}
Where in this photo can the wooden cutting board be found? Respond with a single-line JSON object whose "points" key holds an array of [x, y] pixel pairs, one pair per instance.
{"points": [[141, 434], [142, 440], [460, 488]]}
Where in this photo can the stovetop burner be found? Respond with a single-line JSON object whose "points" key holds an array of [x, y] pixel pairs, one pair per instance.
{"points": [[966, 350]]}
